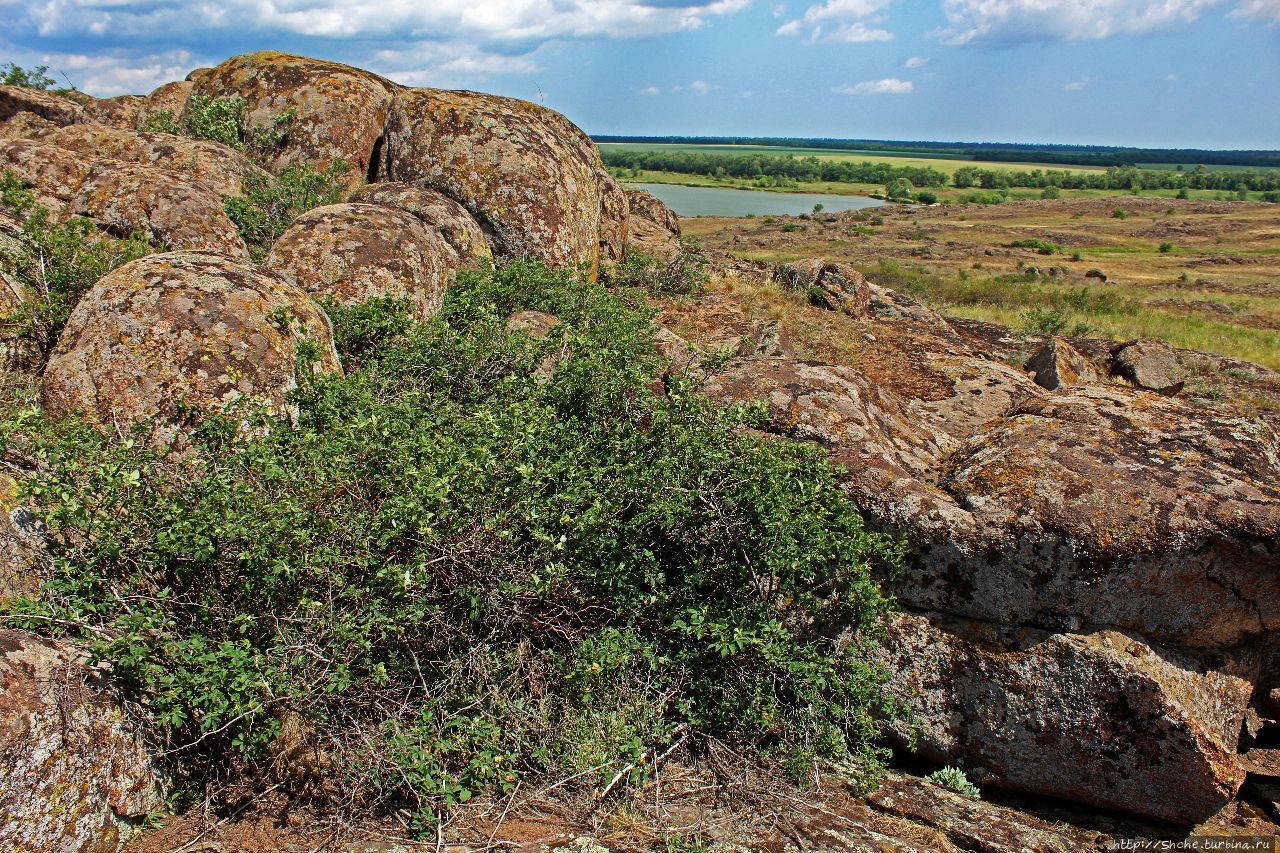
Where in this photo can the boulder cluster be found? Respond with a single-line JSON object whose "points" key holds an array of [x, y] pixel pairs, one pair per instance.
{"points": [[1091, 605]]}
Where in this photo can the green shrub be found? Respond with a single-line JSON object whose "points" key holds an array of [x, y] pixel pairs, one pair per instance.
{"points": [[1044, 247], [1051, 193], [790, 227], [1166, 248], [1046, 321], [683, 273], [927, 197], [58, 263], [954, 779], [223, 120], [1119, 213], [460, 572], [26, 78], [270, 204], [215, 119]]}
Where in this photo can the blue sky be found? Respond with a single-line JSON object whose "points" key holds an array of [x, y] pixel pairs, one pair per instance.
{"points": [[1161, 73]]}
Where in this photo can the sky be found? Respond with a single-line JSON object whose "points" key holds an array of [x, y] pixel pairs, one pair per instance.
{"points": [[1151, 73]]}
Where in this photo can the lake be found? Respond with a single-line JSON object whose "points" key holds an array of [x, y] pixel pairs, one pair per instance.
{"points": [[717, 201]]}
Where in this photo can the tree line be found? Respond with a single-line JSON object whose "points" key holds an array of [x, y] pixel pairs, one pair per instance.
{"points": [[776, 170], [1009, 152]]}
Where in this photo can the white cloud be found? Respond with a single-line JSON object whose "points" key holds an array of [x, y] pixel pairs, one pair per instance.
{"points": [[916, 62], [1259, 9], [1079, 85], [888, 86], [976, 21], [428, 42], [651, 90], [840, 21]]}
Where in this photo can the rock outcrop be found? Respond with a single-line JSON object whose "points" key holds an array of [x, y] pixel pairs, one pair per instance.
{"points": [[46, 105], [124, 198], [652, 227], [1102, 718], [23, 553], [76, 776], [1054, 523], [528, 174], [333, 112], [179, 330], [221, 169], [439, 212], [352, 252]]}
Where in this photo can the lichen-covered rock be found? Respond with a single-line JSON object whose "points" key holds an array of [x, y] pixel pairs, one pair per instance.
{"points": [[1149, 364], [1058, 364], [1100, 718], [170, 98], [54, 175], [834, 286], [338, 111], [46, 105], [121, 111], [210, 164], [23, 553], [183, 329], [25, 126], [1110, 507], [124, 198], [352, 252], [75, 774], [526, 172], [652, 227], [441, 213], [127, 198]]}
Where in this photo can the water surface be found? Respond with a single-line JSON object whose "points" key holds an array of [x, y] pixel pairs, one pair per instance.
{"points": [[718, 201]]}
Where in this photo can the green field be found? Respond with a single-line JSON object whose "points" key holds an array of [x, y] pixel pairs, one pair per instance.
{"points": [[941, 162]]}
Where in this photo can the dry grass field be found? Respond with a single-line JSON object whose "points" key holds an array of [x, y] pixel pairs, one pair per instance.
{"points": [[1201, 275]]}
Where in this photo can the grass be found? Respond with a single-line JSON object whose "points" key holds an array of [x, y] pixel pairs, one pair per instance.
{"points": [[1119, 312]]}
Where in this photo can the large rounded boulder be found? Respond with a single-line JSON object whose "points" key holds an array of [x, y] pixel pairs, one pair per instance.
{"points": [[454, 222], [338, 112], [353, 252], [183, 330], [526, 172]]}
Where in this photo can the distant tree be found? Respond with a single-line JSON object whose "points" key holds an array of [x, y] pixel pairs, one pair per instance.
{"points": [[927, 197], [1051, 192], [1182, 193], [817, 208], [26, 78], [898, 188]]}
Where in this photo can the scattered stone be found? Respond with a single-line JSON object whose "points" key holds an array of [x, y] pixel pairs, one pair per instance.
{"points": [[76, 775], [1149, 364], [1098, 274], [767, 340], [352, 252], [183, 329], [1057, 364], [833, 286]]}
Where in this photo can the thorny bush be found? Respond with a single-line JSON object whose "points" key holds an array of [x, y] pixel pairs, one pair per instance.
{"points": [[452, 571]]}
